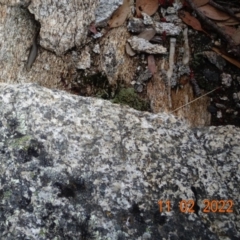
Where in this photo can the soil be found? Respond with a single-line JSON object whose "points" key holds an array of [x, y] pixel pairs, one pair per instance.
{"points": [[224, 108]]}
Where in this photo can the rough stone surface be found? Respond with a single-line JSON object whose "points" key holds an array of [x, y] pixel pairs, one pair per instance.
{"points": [[74, 167], [142, 45], [169, 28], [17, 30], [105, 9], [114, 61], [64, 24], [82, 61], [136, 25]]}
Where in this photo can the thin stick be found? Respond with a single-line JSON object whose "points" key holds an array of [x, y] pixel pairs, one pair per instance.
{"points": [[232, 46], [194, 100]]}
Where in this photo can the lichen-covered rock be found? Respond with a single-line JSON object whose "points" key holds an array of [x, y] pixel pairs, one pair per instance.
{"points": [[137, 25], [142, 45], [114, 61], [64, 24], [82, 61], [78, 168], [105, 9], [168, 28]]}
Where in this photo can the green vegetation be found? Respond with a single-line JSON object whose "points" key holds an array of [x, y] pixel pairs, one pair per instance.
{"points": [[127, 96]]}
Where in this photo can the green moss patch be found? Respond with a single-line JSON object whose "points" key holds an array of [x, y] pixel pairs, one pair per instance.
{"points": [[127, 96]]}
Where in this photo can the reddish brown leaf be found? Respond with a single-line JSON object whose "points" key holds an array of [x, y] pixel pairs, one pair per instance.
{"points": [[213, 13], [147, 6], [120, 15], [151, 64], [190, 20]]}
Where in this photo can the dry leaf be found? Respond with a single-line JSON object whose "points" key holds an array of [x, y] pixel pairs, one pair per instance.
{"points": [[147, 6], [229, 59], [151, 64], [147, 34], [229, 22], [229, 30], [190, 20], [199, 3], [213, 13], [129, 50], [92, 28], [120, 15], [233, 33], [236, 37]]}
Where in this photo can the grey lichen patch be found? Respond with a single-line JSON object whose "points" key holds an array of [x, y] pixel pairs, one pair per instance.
{"points": [[127, 96], [20, 143]]}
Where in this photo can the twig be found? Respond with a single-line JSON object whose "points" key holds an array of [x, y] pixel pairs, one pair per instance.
{"points": [[232, 4], [194, 100], [224, 9], [213, 25]]}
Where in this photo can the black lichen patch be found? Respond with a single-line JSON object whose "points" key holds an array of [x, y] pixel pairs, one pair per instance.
{"points": [[84, 229], [24, 202], [13, 124], [35, 148], [30, 150], [72, 188], [22, 156], [159, 219], [78, 184], [196, 207], [136, 213], [67, 191], [121, 236], [44, 178]]}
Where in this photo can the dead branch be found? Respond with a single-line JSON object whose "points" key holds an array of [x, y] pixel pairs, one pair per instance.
{"points": [[232, 48], [224, 9]]}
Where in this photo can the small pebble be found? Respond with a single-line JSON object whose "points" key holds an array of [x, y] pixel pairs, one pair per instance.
{"points": [[219, 114], [138, 87], [218, 105], [226, 79], [224, 98]]}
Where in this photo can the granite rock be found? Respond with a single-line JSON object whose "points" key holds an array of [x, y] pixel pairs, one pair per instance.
{"points": [[84, 168], [64, 24]]}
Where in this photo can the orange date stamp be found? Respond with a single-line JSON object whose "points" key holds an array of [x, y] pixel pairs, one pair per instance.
{"points": [[188, 206]]}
